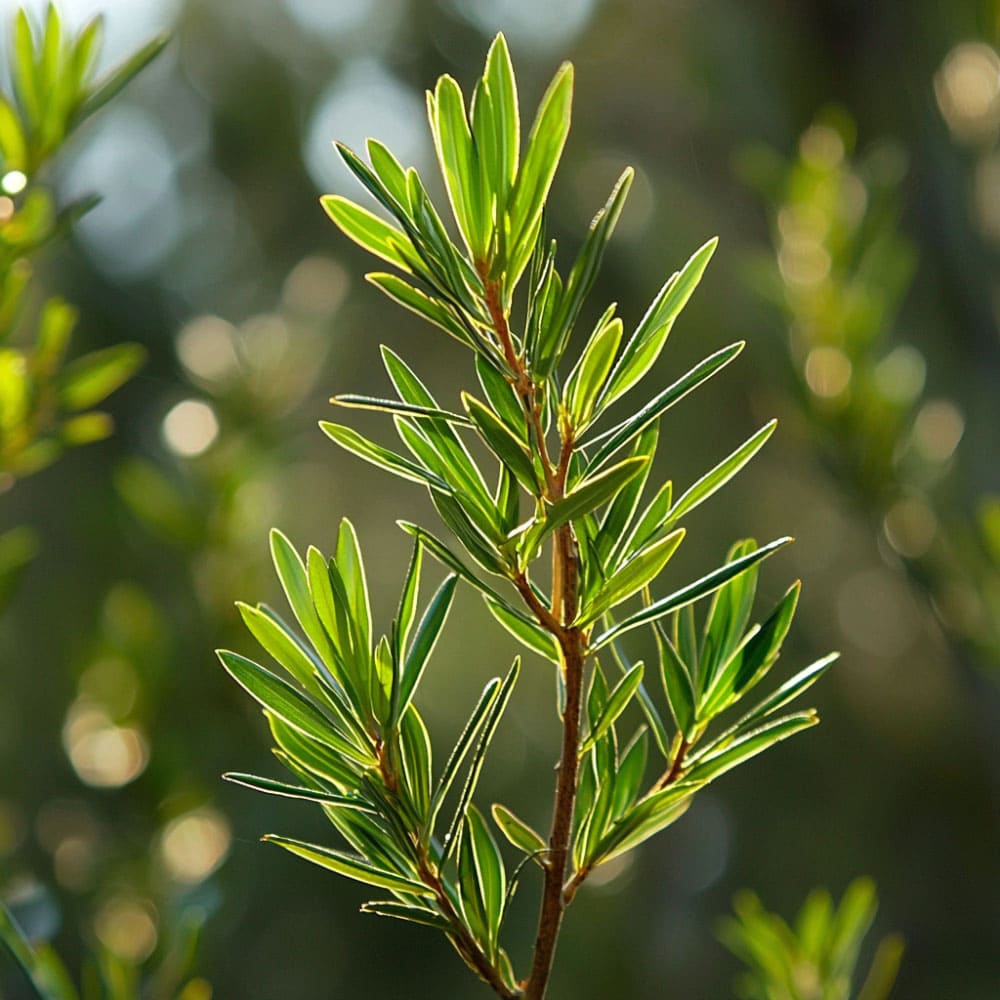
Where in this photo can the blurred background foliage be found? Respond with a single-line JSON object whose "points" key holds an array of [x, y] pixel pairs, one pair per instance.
{"points": [[847, 154]]}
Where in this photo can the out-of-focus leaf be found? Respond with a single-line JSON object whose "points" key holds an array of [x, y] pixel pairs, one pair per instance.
{"points": [[106, 88], [92, 378]]}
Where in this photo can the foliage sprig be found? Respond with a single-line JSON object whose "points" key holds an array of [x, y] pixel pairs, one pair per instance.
{"points": [[570, 487]]}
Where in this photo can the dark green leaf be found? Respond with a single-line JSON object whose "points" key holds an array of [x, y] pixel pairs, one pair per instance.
{"points": [[583, 499], [492, 719], [633, 576], [406, 911], [423, 642]]}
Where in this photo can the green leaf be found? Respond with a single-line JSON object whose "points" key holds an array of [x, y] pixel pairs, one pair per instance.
{"points": [[416, 753], [295, 583], [755, 658], [307, 757], [394, 406], [507, 448], [407, 911], [750, 744], [369, 231], [423, 643], [687, 595], [581, 277], [617, 702], [491, 878], [721, 474], [628, 780], [650, 335], [458, 160], [280, 698], [277, 639], [441, 314], [522, 836], [790, 690], [465, 740], [636, 574], [119, 77], [492, 719], [271, 787], [499, 80], [583, 499], [388, 170], [352, 571], [587, 378], [501, 396], [13, 144], [647, 818], [545, 146], [352, 441], [92, 378], [446, 557], [408, 602], [350, 866], [677, 684], [611, 440], [884, 969], [454, 465], [24, 71], [526, 631], [86, 428]]}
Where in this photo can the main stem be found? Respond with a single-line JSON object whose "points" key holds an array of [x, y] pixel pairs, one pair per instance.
{"points": [[572, 645]]}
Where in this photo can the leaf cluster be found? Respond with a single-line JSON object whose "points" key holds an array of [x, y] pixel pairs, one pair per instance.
{"points": [[818, 957], [46, 403], [106, 976]]}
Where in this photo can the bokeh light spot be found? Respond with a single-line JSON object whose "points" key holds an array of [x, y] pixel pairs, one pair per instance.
{"points": [[910, 527], [127, 928], [104, 755], [365, 100], [899, 376], [967, 87], [206, 348], [938, 429], [194, 845], [14, 182], [190, 428], [529, 23], [828, 371]]}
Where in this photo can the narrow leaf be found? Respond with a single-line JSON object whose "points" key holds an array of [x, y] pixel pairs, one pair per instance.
{"points": [[350, 866], [687, 595]]}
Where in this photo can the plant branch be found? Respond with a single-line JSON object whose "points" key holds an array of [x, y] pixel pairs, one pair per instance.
{"points": [[465, 943]]}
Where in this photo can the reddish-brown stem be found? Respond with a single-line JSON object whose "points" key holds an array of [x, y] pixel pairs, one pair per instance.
{"points": [[673, 772], [572, 641]]}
